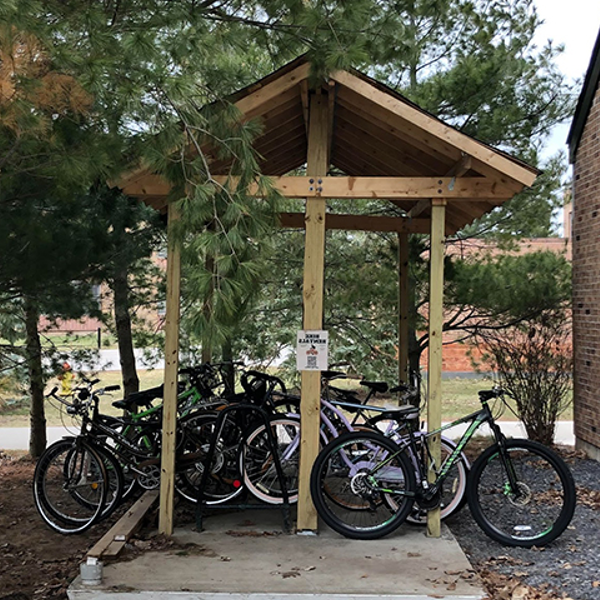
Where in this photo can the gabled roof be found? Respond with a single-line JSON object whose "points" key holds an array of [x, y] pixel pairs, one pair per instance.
{"points": [[590, 85], [373, 132]]}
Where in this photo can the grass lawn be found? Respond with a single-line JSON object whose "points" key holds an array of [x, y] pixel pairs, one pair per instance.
{"points": [[55, 412], [459, 398]]}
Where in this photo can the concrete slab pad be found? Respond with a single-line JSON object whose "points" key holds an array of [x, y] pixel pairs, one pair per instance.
{"points": [[246, 556]]}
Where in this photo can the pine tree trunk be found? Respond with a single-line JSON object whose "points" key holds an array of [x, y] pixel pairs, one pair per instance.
{"points": [[131, 382], [207, 309], [228, 371], [37, 439]]}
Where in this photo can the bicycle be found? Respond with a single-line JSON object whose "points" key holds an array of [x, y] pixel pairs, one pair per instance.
{"points": [[519, 492], [259, 472], [75, 483]]}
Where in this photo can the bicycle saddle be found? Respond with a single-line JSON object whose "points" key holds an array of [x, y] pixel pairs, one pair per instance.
{"points": [[143, 398], [331, 375], [381, 387], [400, 413]]}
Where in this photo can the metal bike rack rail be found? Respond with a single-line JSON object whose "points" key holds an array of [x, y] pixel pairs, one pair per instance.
{"points": [[201, 506]]}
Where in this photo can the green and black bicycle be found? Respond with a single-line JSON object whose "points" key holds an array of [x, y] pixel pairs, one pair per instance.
{"points": [[520, 492]]}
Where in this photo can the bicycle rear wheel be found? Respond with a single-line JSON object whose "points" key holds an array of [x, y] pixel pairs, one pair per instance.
{"points": [[453, 490], [258, 465], [543, 504], [70, 486], [225, 480], [352, 481]]}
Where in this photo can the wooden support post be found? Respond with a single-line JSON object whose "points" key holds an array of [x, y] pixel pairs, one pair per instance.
{"points": [[312, 298], [434, 370], [167, 466], [403, 307]]}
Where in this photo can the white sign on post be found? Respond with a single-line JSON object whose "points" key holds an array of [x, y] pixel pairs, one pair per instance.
{"points": [[312, 350]]}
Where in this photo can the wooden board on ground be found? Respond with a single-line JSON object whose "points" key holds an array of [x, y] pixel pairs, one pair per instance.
{"points": [[115, 539]]}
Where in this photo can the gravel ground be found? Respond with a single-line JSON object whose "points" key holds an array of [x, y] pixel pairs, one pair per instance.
{"points": [[569, 567]]}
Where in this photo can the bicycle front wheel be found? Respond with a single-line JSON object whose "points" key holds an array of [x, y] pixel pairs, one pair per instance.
{"points": [[362, 485], [541, 506], [70, 486]]}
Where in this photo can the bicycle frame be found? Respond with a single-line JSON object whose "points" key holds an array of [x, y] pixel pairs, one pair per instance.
{"points": [[476, 419]]}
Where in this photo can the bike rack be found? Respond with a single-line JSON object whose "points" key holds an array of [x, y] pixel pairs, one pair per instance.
{"points": [[201, 506]]}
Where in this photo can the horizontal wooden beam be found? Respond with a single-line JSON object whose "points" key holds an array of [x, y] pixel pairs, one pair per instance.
{"points": [[359, 223], [389, 188], [119, 534]]}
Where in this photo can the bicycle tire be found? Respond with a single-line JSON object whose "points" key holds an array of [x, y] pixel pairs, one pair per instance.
{"points": [[116, 481], [67, 472], [225, 481], [114, 478], [258, 466], [347, 467], [547, 501]]}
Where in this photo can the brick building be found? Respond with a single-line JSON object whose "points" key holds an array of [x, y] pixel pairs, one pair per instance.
{"points": [[584, 154]]}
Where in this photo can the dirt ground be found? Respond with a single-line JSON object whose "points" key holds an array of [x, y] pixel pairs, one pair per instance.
{"points": [[37, 563]]}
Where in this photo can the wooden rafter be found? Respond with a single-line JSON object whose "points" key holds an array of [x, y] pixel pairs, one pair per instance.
{"points": [[304, 100], [437, 149], [378, 150], [420, 207], [370, 128], [425, 123], [263, 98]]}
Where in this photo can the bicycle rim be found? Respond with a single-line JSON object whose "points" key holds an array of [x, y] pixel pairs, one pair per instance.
{"points": [[258, 464], [348, 481], [543, 504], [70, 486]]}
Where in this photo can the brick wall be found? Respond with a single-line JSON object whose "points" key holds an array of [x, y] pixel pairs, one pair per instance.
{"points": [[586, 281]]}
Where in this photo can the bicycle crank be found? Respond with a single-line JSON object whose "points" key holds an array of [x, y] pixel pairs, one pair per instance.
{"points": [[148, 474]]}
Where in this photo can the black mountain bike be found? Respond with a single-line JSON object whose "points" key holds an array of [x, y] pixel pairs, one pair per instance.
{"points": [[520, 492]]}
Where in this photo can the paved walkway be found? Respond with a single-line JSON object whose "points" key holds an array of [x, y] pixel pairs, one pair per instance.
{"points": [[245, 556], [17, 438]]}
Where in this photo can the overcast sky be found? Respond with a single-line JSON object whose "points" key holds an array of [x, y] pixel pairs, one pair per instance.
{"points": [[574, 23]]}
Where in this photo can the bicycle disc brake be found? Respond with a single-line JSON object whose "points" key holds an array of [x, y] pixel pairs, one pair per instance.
{"points": [[360, 485]]}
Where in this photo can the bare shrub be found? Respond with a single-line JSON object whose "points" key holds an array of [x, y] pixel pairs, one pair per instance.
{"points": [[533, 361]]}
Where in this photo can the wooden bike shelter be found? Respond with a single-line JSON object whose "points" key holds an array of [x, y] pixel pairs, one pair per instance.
{"points": [[388, 149]]}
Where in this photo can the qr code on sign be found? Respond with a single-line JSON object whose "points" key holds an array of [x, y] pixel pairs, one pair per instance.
{"points": [[311, 362]]}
